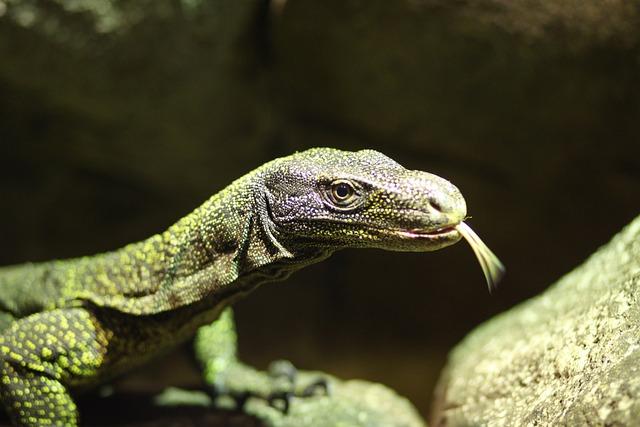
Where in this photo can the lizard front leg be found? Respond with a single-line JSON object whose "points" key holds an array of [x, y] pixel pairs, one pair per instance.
{"points": [[41, 354], [216, 350]]}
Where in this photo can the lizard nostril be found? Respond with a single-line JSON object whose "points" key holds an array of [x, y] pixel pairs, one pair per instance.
{"points": [[436, 205]]}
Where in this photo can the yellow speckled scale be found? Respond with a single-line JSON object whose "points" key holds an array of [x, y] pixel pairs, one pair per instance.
{"points": [[40, 354]]}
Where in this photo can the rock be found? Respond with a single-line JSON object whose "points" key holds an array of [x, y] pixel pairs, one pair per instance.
{"points": [[349, 403], [570, 356]]}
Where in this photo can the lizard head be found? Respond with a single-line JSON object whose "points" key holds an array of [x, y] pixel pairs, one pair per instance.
{"points": [[335, 199]]}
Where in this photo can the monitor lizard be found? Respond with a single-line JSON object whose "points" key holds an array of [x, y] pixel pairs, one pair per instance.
{"points": [[69, 325]]}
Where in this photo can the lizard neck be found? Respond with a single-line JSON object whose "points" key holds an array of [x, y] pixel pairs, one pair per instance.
{"points": [[223, 249], [231, 235]]}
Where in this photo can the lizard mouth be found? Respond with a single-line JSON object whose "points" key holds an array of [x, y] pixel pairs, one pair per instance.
{"points": [[491, 266], [446, 232], [420, 239]]}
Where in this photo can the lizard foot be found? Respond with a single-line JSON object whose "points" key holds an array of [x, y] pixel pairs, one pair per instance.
{"points": [[279, 385], [283, 369]]}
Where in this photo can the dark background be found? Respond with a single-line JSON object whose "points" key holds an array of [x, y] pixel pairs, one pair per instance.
{"points": [[117, 118]]}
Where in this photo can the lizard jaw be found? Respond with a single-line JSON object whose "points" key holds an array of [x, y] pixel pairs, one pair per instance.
{"points": [[441, 235], [421, 240], [442, 231]]}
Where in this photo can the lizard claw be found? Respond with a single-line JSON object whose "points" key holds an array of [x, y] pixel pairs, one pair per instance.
{"points": [[240, 399], [281, 396], [282, 400], [319, 387]]}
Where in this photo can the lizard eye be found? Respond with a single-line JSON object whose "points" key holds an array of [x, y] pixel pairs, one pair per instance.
{"points": [[343, 194], [342, 191]]}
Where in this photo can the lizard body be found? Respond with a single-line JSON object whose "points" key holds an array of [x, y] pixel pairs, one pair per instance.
{"points": [[72, 324]]}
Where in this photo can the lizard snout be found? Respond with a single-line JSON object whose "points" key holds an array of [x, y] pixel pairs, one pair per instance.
{"points": [[441, 197]]}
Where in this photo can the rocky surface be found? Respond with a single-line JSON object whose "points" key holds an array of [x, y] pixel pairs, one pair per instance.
{"points": [[348, 404], [570, 356]]}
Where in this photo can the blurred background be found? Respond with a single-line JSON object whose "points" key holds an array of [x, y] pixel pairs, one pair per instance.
{"points": [[119, 117]]}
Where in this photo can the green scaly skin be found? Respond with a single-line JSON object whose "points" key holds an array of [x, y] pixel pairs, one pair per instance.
{"points": [[70, 325]]}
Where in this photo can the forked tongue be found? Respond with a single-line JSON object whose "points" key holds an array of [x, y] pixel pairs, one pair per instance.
{"points": [[491, 266]]}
